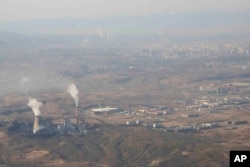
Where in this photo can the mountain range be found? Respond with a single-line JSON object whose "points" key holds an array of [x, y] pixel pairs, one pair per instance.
{"points": [[192, 24]]}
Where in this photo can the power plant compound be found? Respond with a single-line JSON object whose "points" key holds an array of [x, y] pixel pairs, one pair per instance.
{"points": [[73, 126]]}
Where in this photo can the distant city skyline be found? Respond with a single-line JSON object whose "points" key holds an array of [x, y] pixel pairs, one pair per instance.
{"points": [[14, 10]]}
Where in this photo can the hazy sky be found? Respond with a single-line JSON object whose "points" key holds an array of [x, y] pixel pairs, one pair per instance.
{"points": [[11, 10]]}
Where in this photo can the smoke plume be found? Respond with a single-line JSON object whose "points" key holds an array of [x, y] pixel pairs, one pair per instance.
{"points": [[35, 104], [24, 81], [100, 33], [73, 92]]}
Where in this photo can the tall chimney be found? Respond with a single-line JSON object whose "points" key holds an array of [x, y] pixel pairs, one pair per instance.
{"points": [[36, 126], [77, 116]]}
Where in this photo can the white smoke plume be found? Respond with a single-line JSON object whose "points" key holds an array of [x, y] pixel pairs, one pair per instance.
{"points": [[35, 104], [24, 81], [100, 33], [73, 91]]}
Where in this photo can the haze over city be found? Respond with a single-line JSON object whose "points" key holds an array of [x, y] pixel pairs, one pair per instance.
{"points": [[124, 83]]}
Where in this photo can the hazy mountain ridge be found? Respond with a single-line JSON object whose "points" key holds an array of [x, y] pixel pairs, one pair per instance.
{"points": [[152, 24]]}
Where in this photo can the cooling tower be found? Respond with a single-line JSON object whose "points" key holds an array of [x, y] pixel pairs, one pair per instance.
{"points": [[37, 126]]}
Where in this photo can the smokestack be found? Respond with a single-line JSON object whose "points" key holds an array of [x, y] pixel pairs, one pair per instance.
{"points": [[77, 116]]}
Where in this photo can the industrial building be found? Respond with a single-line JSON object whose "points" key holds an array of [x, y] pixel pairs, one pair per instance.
{"points": [[105, 110], [79, 127]]}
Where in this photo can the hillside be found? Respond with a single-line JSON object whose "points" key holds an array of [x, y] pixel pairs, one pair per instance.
{"points": [[113, 146]]}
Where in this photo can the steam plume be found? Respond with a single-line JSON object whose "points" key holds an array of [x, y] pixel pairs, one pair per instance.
{"points": [[35, 104], [100, 33], [73, 92], [24, 81]]}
